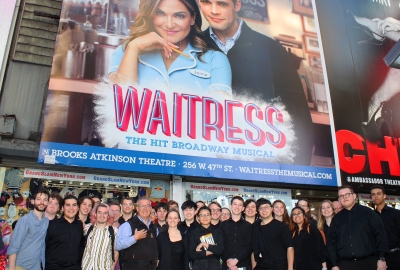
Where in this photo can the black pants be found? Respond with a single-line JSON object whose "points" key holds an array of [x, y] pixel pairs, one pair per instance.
{"points": [[206, 265], [128, 266], [248, 267], [393, 260], [261, 266], [368, 263], [56, 267]]}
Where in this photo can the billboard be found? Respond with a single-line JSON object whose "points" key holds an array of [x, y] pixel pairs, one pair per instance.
{"points": [[158, 88], [357, 37]]}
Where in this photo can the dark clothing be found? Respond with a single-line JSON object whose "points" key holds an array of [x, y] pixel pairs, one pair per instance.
{"points": [[356, 234], [309, 249], [326, 232], [161, 228], [185, 229], [271, 243], [216, 225], [237, 242], [56, 267], [263, 266], [206, 265], [64, 244], [143, 254], [216, 249], [262, 68], [172, 255], [368, 263], [391, 220], [312, 221], [121, 220], [393, 260]]}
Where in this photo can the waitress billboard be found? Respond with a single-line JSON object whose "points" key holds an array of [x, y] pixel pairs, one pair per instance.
{"points": [[179, 87]]}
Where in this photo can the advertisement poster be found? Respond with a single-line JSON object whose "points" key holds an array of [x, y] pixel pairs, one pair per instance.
{"points": [[357, 39], [150, 88]]}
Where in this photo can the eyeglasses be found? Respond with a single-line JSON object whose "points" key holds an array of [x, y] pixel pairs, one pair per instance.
{"points": [[338, 208], [204, 215], [341, 197], [148, 206], [225, 214], [264, 208], [215, 210]]}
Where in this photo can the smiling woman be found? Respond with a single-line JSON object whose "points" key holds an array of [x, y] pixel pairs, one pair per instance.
{"points": [[152, 56]]}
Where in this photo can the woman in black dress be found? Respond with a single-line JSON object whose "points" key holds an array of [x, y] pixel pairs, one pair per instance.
{"points": [[172, 247], [309, 247], [206, 243], [326, 213]]}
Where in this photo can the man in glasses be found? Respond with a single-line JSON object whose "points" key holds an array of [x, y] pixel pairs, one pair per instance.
{"points": [[136, 239], [215, 208], [391, 220], [357, 238]]}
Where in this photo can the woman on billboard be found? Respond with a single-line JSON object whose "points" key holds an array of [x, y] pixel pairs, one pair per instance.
{"points": [[167, 49]]}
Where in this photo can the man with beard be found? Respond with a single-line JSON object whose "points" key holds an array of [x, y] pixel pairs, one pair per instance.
{"points": [[27, 248], [64, 239]]}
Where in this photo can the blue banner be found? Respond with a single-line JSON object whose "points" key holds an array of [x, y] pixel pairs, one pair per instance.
{"points": [[138, 161]]}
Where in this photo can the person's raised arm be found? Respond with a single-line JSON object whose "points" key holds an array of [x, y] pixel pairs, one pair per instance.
{"points": [[124, 64]]}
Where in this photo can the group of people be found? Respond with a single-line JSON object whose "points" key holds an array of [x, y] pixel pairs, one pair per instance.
{"points": [[257, 235]]}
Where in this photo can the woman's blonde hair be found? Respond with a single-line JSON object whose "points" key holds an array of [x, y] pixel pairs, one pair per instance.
{"points": [[143, 24], [321, 218]]}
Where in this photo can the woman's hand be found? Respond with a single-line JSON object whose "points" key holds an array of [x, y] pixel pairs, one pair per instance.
{"points": [[149, 42], [200, 246], [388, 24]]}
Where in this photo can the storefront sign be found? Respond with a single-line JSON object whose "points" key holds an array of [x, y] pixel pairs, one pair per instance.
{"points": [[83, 177], [237, 189], [364, 90], [202, 114]]}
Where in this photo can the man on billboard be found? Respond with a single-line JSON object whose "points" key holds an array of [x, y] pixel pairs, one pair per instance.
{"points": [[261, 67]]}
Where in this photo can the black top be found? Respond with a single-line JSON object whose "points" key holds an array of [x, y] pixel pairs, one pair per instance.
{"points": [[161, 228], [185, 229], [355, 234], [64, 242], [263, 68], [237, 242], [326, 232], [391, 220], [194, 241], [309, 249], [172, 255], [177, 255], [271, 242], [121, 220]]}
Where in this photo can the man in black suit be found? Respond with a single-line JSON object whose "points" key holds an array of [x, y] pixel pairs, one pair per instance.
{"points": [[261, 68]]}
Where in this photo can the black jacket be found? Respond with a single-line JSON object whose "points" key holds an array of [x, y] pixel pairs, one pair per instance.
{"points": [[164, 251], [262, 68]]}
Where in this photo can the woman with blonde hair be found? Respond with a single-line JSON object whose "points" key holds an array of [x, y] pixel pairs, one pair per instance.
{"points": [[326, 213], [167, 49], [280, 211]]}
